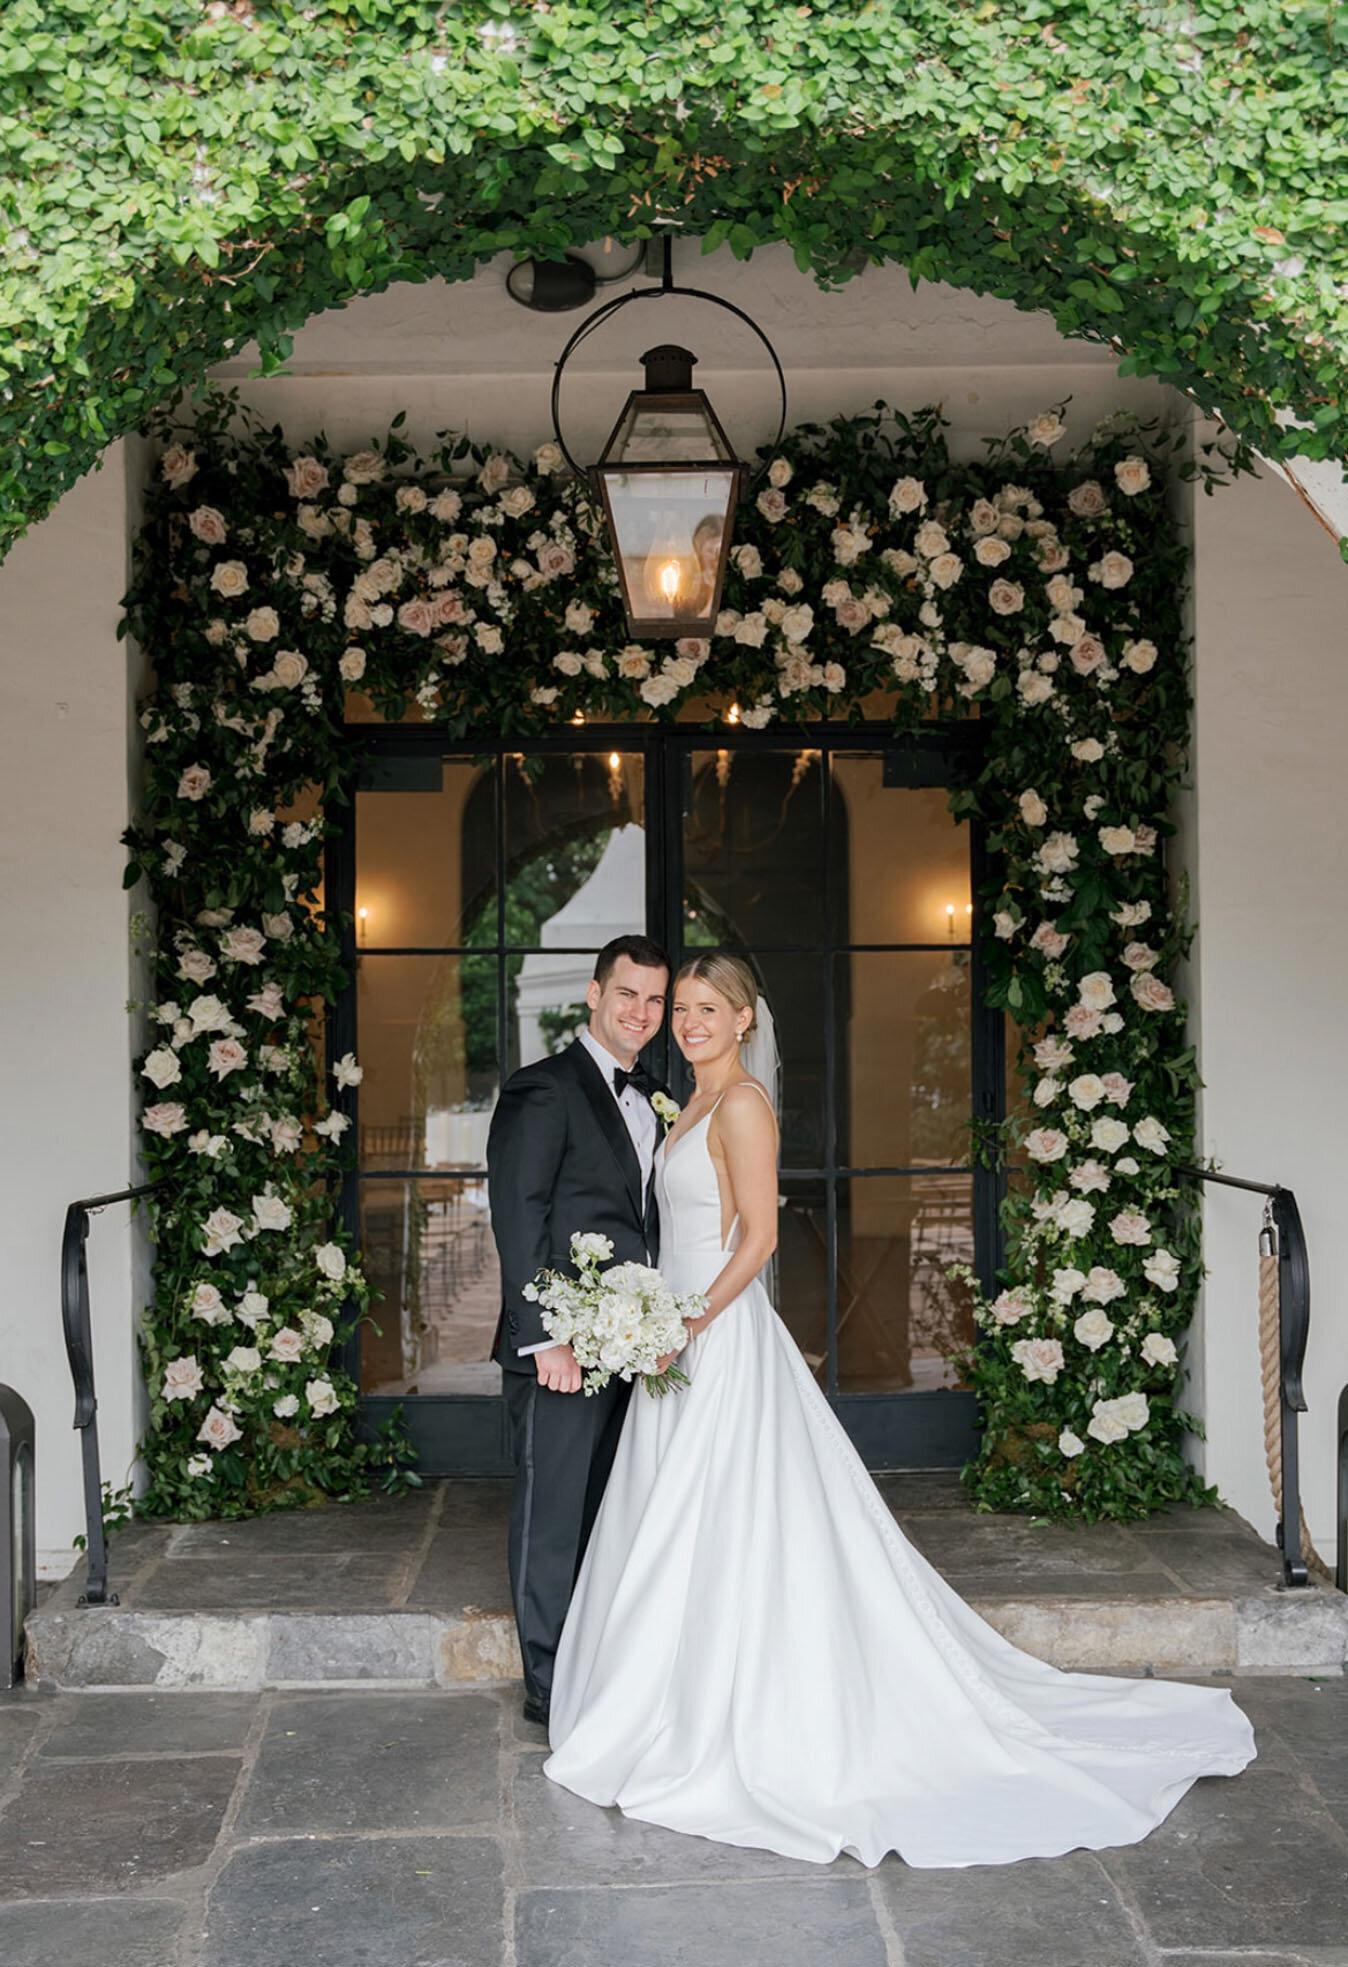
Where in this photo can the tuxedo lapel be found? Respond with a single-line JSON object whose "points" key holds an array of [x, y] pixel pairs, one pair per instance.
{"points": [[614, 1129]]}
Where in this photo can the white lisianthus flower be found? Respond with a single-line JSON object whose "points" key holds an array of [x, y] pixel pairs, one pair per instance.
{"points": [[346, 1072], [1071, 1445], [1093, 1330], [286, 1407], [1047, 1144], [331, 1260], [162, 1067], [1108, 1133], [221, 1230], [218, 1430], [322, 1397], [1039, 1359], [1158, 1350], [1163, 1270], [1086, 1091], [199, 1465]]}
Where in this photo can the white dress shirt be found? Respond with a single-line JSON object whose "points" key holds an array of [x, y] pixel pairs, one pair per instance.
{"points": [[638, 1118]]}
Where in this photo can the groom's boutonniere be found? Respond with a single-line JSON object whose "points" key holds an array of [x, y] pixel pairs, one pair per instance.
{"points": [[666, 1110]]}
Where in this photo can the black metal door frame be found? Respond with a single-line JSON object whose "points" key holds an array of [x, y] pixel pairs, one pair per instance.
{"points": [[464, 1434]]}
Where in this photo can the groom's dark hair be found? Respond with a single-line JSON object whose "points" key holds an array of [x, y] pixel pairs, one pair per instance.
{"points": [[647, 955]]}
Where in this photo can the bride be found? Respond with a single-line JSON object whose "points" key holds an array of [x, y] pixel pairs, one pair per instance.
{"points": [[754, 1652]]}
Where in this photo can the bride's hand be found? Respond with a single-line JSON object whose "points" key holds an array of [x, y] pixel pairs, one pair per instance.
{"points": [[663, 1365]]}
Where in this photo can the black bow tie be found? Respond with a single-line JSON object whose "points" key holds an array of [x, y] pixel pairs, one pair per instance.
{"points": [[638, 1077]]}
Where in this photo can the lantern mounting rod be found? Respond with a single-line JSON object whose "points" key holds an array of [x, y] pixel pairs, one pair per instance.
{"points": [[666, 286]]}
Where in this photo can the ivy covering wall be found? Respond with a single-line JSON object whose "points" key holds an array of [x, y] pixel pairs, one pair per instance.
{"points": [[180, 177], [1038, 594]]}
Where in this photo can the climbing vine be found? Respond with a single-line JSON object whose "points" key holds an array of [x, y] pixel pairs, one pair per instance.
{"points": [[472, 591], [182, 176]]}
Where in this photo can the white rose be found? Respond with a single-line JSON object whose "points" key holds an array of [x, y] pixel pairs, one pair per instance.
{"points": [[1112, 570], [991, 551], [322, 1397], [1140, 956], [1087, 653], [1047, 1144], [352, 665], [279, 927], [1089, 750], [1093, 1330], [1117, 839], [1066, 1284], [1006, 597], [1047, 429], [1133, 1410], [165, 1118], [1163, 1270], [1034, 688], [797, 622], [780, 473], [270, 1212], [946, 569], [363, 468], [306, 477], [183, 1379], [1039, 1359], [1130, 1226], [1070, 1444], [1150, 993], [517, 501], [1095, 991], [195, 782], [1149, 1133], [658, 690], [178, 465], [218, 1430], [1058, 855], [199, 1465], [243, 1360], [1012, 1305], [162, 1068], [907, 495], [331, 1260], [1105, 1423], [263, 624], [1108, 1134], [1102, 1285], [286, 1406], [1075, 1216], [287, 1345], [1004, 925], [229, 579], [1132, 475], [208, 1014], [317, 1329], [241, 945], [772, 504], [290, 668], [1086, 1091], [1087, 501], [1139, 657], [226, 1055]]}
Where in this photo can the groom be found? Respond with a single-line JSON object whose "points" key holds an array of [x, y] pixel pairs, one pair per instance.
{"points": [[572, 1147]]}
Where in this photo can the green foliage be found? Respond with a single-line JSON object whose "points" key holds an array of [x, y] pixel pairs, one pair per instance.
{"points": [[179, 179], [1043, 599]]}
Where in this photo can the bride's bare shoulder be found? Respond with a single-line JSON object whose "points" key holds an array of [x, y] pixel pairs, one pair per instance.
{"points": [[747, 1107]]}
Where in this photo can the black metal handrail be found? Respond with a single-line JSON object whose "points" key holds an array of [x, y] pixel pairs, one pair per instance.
{"points": [[1294, 1324], [80, 1352]]}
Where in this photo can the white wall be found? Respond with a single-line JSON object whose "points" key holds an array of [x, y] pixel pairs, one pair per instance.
{"points": [[1271, 619], [65, 1088]]}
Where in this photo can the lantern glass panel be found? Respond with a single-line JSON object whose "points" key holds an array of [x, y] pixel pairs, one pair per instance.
{"points": [[670, 529], [667, 430]]}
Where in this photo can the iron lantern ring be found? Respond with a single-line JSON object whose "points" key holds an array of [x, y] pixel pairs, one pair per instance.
{"points": [[667, 286]]}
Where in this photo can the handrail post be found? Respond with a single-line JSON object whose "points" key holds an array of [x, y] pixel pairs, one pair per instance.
{"points": [[78, 1332], [1294, 1317]]}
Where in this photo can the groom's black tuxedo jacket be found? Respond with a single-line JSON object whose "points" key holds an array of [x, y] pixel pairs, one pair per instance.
{"points": [[560, 1159]]}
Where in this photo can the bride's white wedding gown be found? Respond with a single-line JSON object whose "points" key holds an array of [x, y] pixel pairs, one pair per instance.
{"points": [[756, 1654]]}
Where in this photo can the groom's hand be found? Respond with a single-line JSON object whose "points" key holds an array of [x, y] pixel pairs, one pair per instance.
{"points": [[557, 1369]]}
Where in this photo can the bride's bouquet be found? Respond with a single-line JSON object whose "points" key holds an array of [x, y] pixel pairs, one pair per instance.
{"points": [[621, 1320]]}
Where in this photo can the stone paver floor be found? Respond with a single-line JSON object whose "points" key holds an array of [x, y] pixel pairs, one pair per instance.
{"points": [[346, 1828]]}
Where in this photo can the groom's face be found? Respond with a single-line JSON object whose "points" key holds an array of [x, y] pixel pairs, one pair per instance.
{"points": [[627, 1008]]}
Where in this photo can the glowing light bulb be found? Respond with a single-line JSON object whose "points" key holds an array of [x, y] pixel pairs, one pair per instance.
{"points": [[671, 576], [732, 716], [614, 762], [950, 919], [362, 916]]}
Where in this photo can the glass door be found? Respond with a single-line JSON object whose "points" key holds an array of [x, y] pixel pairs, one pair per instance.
{"points": [[481, 886]]}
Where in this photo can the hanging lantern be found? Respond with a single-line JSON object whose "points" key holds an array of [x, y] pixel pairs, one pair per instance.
{"points": [[669, 480]]}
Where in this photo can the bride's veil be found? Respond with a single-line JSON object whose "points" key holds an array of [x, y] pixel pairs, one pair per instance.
{"points": [[760, 1056]]}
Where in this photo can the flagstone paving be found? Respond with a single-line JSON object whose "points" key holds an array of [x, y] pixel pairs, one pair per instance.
{"points": [[416, 1829]]}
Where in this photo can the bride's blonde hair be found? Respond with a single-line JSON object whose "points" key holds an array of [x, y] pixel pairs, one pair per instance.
{"points": [[731, 976]]}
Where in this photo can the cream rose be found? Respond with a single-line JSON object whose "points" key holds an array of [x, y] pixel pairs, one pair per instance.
{"points": [[1047, 429], [1039, 1359], [1132, 475], [1149, 1133], [1093, 1329], [1139, 657], [907, 495], [1087, 654], [263, 624], [165, 1118], [194, 783], [322, 1397], [226, 1055], [1058, 855], [183, 1379], [1112, 570], [1070, 1445], [1158, 1350], [1162, 1269], [287, 1345], [1012, 1305], [221, 1230], [1109, 1134], [178, 465], [991, 551], [1086, 1091], [242, 945], [1150, 993], [218, 1430], [1095, 991], [1046, 1144], [1087, 500], [1006, 597], [162, 1067], [1131, 1227], [1102, 1285], [306, 477]]}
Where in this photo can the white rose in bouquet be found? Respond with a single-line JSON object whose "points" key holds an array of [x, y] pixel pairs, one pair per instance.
{"points": [[622, 1320]]}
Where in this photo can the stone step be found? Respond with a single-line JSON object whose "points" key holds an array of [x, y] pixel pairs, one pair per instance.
{"points": [[411, 1591]]}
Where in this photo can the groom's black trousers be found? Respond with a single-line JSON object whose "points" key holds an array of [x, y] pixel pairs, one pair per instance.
{"points": [[563, 1445]]}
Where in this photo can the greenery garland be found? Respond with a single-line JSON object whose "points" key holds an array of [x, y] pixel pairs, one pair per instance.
{"points": [[177, 178], [1044, 599]]}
